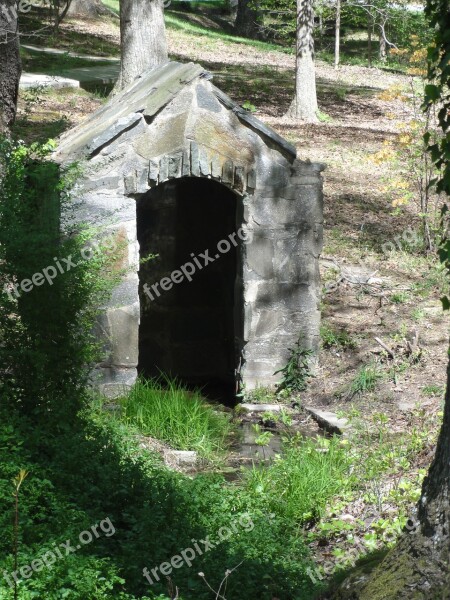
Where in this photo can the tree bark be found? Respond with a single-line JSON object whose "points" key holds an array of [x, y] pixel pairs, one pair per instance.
{"points": [[337, 41], [87, 8], [10, 64], [247, 19], [142, 38], [369, 39], [383, 45], [304, 106], [418, 568]]}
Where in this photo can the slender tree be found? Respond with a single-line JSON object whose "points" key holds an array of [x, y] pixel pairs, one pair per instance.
{"points": [[304, 106], [142, 38], [337, 41], [10, 64]]}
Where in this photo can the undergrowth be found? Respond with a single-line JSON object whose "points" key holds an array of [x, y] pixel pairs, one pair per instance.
{"points": [[165, 410]]}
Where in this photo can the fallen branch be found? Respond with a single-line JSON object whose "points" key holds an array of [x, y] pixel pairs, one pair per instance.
{"points": [[386, 348]]}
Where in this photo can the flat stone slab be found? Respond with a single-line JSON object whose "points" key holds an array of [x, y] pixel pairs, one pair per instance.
{"points": [[328, 420], [261, 407], [180, 458], [33, 80]]}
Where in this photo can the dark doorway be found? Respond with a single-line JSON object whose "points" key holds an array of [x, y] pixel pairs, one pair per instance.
{"points": [[191, 322]]}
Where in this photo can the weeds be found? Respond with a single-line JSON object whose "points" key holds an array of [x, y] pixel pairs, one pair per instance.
{"points": [[336, 338], [365, 380], [297, 370], [165, 410], [300, 484]]}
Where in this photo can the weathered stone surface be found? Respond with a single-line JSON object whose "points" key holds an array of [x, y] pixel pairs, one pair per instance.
{"points": [[153, 172], [130, 183], [119, 126], [164, 168], [186, 167], [180, 459], [170, 126], [195, 160], [175, 165], [207, 100], [124, 330], [142, 181], [228, 172], [205, 163], [261, 408], [216, 167], [328, 420]]}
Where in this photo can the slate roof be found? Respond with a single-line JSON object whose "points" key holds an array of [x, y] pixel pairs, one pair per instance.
{"points": [[148, 96]]}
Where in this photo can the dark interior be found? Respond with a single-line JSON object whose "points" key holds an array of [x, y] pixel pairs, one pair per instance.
{"points": [[191, 331]]}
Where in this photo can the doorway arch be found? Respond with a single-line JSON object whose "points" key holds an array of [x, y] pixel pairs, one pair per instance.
{"points": [[191, 294]]}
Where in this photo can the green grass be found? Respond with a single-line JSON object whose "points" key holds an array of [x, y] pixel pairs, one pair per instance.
{"points": [[175, 21], [337, 338], [45, 62], [301, 483], [366, 379], [433, 390], [181, 418]]}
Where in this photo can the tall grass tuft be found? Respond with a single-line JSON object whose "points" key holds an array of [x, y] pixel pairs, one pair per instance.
{"points": [[301, 483], [167, 411]]}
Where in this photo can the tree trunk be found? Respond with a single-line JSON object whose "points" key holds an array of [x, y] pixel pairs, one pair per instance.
{"points": [[337, 41], [247, 19], [369, 39], [10, 64], [304, 106], [87, 8], [383, 48], [418, 568], [142, 38]]}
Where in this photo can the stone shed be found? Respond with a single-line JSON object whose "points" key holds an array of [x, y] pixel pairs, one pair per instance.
{"points": [[174, 168]]}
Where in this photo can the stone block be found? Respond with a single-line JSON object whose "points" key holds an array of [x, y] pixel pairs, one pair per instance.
{"points": [[259, 256], [228, 172], [142, 185], [204, 162], [124, 327], [153, 172], [186, 163], [164, 169], [206, 100], [175, 165], [130, 183], [195, 160]]}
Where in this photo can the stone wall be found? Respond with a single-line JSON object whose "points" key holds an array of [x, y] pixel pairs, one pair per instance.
{"points": [[184, 127]]}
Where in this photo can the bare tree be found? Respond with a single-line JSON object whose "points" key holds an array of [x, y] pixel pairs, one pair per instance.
{"points": [[337, 42], [10, 63], [304, 105], [142, 38]]}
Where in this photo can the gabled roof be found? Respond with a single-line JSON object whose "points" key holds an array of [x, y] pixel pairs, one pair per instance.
{"points": [[147, 97]]}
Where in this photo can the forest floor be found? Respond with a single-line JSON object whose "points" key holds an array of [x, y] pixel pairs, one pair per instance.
{"points": [[364, 236]]}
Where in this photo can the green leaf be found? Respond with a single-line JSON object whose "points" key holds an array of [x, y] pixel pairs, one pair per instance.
{"points": [[433, 92]]}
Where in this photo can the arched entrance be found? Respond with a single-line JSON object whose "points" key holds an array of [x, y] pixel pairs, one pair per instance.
{"points": [[191, 293]]}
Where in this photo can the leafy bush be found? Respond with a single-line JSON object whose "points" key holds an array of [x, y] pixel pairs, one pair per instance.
{"points": [[46, 328]]}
